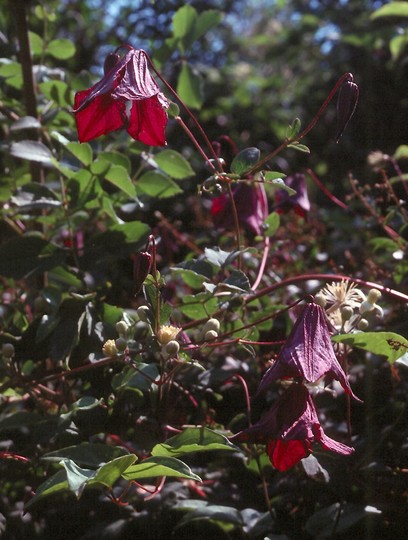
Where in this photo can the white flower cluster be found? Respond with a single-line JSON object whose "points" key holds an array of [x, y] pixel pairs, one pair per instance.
{"points": [[347, 307]]}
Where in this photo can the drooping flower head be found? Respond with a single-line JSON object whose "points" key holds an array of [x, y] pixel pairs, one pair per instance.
{"points": [[299, 202], [126, 98], [251, 204], [308, 353], [289, 429]]}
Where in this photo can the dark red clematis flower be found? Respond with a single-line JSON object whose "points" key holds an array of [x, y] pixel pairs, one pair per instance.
{"points": [[299, 201], [289, 429], [308, 353], [252, 208], [127, 97]]}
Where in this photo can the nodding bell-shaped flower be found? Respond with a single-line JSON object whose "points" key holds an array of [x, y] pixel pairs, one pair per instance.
{"points": [[308, 353], [289, 430], [251, 204], [346, 105], [126, 98], [299, 202]]}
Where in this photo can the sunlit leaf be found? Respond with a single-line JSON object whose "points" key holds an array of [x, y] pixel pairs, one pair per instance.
{"points": [[189, 87], [195, 439], [158, 466], [174, 164], [387, 344], [62, 49], [157, 184], [32, 151], [392, 9]]}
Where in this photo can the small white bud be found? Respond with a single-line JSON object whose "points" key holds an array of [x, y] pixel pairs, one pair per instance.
{"points": [[346, 313], [362, 324], [320, 299], [373, 296], [121, 344], [172, 348], [7, 350], [211, 324], [366, 306], [210, 335], [143, 313], [121, 328]]}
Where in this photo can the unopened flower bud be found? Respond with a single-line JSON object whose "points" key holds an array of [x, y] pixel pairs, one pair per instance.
{"points": [[121, 344], [110, 62], [7, 350], [172, 348], [210, 335], [167, 333], [109, 348], [373, 296], [346, 313], [366, 306], [141, 267], [121, 328], [320, 299], [143, 313], [362, 324], [346, 105], [211, 324]]}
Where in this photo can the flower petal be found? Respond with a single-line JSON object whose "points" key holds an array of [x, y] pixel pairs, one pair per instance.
{"points": [[308, 353], [101, 116], [147, 122], [285, 454]]}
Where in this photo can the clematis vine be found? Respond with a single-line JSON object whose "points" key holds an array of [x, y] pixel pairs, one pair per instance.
{"points": [[127, 97], [289, 430], [308, 353], [251, 204]]}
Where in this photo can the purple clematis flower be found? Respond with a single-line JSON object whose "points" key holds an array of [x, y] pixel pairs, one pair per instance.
{"points": [[299, 202], [308, 353], [289, 429], [127, 97], [251, 204]]}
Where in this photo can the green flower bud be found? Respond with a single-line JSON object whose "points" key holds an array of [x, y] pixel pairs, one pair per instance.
{"points": [[7, 350], [362, 324], [346, 313], [373, 296], [121, 344], [210, 335], [143, 313], [172, 348], [211, 324], [122, 328], [320, 299]]}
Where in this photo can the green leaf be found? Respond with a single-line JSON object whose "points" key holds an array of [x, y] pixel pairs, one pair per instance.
{"points": [[206, 20], [237, 280], [158, 466], [219, 257], [216, 513], [141, 377], [31, 150], [392, 9], [57, 91], [109, 473], [36, 44], [25, 122], [337, 518], [184, 26], [119, 177], [53, 485], [198, 306], [398, 44], [246, 159], [194, 439], [173, 164], [293, 129], [387, 344], [401, 152], [28, 255], [116, 158], [272, 222], [62, 49], [270, 176], [87, 454], [82, 151], [299, 147], [157, 184], [189, 86], [77, 477]]}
